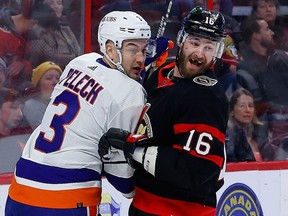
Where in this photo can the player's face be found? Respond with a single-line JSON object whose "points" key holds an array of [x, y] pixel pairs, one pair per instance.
{"points": [[11, 114], [48, 82], [244, 109], [196, 55], [133, 57]]}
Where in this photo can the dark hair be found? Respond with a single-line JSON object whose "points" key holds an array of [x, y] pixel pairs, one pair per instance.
{"points": [[45, 15], [250, 26], [6, 20], [8, 94], [255, 4]]}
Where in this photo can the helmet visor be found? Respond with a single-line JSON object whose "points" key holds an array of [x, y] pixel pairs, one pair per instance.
{"points": [[151, 48]]}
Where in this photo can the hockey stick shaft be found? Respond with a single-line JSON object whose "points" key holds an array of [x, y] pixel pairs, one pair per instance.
{"points": [[164, 20], [152, 67]]}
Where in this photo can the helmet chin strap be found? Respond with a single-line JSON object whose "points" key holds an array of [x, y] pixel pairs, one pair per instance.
{"points": [[118, 65]]}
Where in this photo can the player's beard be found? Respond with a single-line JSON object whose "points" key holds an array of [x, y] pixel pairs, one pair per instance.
{"points": [[185, 71]]}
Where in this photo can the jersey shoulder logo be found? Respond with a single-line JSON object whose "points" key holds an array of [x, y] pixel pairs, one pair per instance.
{"points": [[205, 80], [144, 125], [93, 68]]}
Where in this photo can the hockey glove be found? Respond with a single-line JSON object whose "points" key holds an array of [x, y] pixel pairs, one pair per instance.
{"points": [[122, 140]]}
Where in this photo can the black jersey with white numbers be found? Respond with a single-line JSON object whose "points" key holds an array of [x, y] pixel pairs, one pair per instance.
{"points": [[187, 119]]}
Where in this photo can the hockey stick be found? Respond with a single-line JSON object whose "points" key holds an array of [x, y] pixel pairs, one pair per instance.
{"points": [[164, 20], [160, 33]]}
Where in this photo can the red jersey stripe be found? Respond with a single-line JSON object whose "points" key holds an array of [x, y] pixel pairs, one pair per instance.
{"points": [[181, 128], [154, 204], [164, 81], [214, 158]]}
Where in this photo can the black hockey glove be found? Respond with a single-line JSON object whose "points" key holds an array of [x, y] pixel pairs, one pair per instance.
{"points": [[122, 140]]}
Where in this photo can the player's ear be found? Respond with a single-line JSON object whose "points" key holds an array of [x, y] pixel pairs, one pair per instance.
{"points": [[109, 47], [111, 50]]}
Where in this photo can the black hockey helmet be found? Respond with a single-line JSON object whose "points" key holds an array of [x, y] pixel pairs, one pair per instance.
{"points": [[205, 23]]}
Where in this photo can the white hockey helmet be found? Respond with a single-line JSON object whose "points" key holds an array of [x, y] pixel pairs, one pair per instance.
{"points": [[122, 25]]}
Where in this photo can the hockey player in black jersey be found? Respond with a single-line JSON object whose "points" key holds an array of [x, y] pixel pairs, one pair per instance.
{"points": [[179, 155]]}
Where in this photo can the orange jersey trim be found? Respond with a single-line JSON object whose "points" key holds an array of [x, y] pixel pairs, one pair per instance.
{"points": [[55, 199], [154, 204]]}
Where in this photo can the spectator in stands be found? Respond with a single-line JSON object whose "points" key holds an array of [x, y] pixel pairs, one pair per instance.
{"points": [[12, 138], [257, 46], [72, 15], [13, 29], [263, 72], [275, 78], [246, 137], [268, 10], [56, 5], [51, 40], [225, 7], [44, 78], [275, 88]]}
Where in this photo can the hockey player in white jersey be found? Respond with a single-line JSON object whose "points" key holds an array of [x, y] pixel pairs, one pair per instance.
{"points": [[60, 170]]}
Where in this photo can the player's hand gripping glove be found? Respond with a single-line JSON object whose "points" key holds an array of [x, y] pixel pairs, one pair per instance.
{"points": [[122, 140]]}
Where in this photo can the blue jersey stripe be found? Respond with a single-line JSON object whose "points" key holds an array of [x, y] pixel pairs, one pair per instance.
{"points": [[124, 185], [53, 175]]}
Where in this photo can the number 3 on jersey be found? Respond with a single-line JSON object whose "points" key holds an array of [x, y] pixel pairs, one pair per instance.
{"points": [[58, 123]]}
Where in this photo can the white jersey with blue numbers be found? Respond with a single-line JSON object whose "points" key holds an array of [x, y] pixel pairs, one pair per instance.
{"points": [[60, 166]]}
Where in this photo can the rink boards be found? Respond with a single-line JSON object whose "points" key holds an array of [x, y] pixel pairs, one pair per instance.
{"points": [[249, 189]]}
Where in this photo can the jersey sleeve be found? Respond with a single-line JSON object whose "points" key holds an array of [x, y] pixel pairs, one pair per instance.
{"points": [[118, 172]]}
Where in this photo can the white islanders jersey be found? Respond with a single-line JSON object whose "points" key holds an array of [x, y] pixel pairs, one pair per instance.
{"points": [[60, 166]]}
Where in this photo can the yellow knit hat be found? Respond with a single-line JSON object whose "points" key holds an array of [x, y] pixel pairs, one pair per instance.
{"points": [[41, 69]]}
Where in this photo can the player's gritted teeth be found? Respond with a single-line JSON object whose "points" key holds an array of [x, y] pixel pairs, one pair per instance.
{"points": [[193, 61]]}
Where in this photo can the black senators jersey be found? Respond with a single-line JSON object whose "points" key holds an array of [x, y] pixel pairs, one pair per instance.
{"points": [[187, 119]]}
